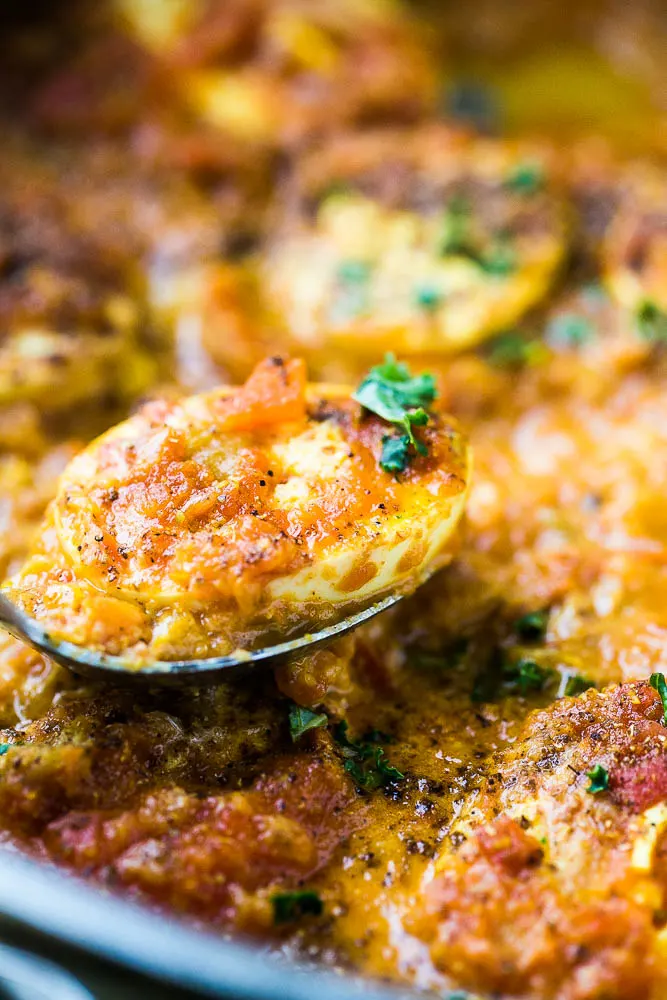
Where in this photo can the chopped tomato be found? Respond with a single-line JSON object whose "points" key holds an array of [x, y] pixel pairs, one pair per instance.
{"points": [[274, 394]]}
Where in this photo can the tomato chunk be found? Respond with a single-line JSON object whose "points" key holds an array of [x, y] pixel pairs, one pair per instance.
{"points": [[274, 393]]}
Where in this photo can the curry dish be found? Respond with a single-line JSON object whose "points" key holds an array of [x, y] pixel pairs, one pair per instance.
{"points": [[200, 202]]}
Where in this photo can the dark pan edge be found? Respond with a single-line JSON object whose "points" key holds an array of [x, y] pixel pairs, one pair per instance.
{"points": [[61, 907]]}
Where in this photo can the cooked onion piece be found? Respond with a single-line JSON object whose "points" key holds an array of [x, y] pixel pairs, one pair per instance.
{"points": [[210, 524], [420, 243]]}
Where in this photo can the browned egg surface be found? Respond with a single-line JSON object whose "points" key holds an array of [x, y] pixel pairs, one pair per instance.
{"points": [[230, 519], [469, 793]]}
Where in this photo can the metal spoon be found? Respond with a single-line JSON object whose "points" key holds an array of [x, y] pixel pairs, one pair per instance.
{"points": [[100, 666]]}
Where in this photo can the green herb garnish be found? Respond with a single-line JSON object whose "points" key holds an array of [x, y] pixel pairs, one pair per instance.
{"points": [[599, 780], [525, 675], [659, 684], [446, 659], [302, 719], [351, 297], [4, 747], [457, 239], [500, 259], [373, 771], [570, 330], [353, 272], [454, 238], [652, 322], [533, 625], [366, 762], [513, 350], [395, 455], [290, 906], [516, 676], [427, 298], [526, 178], [576, 684], [392, 393]]}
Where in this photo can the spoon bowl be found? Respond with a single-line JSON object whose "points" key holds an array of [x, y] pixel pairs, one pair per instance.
{"points": [[119, 669]]}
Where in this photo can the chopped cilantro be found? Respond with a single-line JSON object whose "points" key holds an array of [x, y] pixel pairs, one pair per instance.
{"points": [[352, 272], [457, 239], [366, 762], [392, 393], [373, 771], [428, 298], [532, 625], [652, 322], [302, 719], [513, 350], [516, 676], [395, 455], [599, 780], [351, 295], [658, 682], [289, 906], [525, 675], [576, 684], [526, 178], [454, 238], [570, 330], [500, 259], [446, 659]]}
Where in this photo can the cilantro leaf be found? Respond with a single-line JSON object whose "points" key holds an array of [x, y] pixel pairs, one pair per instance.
{"points": [[373, 770], [395, 390], [526, 675], [353, 272], [457, 239], [302, 719], [290, 906], [532, 625], [570, 330], [599, 780], [513, 350], [449, 658], [366, 762], [500, 259], [351, 296], [395, 455], [392, 393], [427, 298], [526, 178], [454, 238], [4, 747], [502, 673], [652, 322], [659, 684], [576, 684]]}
